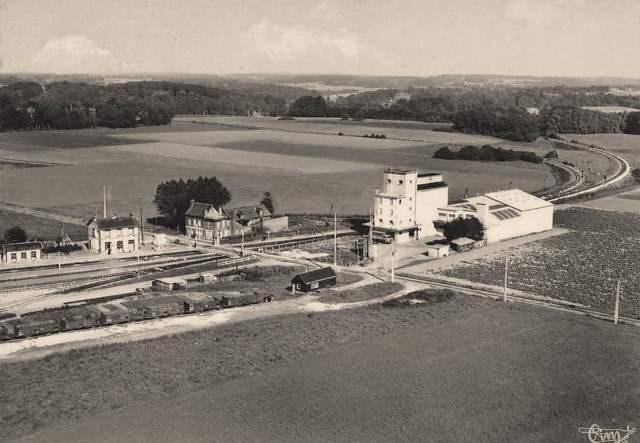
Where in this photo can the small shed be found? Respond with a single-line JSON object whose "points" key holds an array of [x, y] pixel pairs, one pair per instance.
{"points": [[313, 280], [168, 284], [438, 250], [462, 244]]}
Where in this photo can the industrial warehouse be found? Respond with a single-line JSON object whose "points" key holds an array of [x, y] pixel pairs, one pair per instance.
{"points": [[411, 204]]}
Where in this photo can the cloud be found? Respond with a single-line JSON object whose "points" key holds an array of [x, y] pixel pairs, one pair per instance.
{"points": [[269, 45], [75, 54], [282, 43], [541, 12]]}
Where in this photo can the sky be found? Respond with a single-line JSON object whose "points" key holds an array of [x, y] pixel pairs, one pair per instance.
{"points": [[579, 38]]}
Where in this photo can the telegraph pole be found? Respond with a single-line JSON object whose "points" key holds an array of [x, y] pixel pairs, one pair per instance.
{"points": [[141, 228], [370, 240], [242, 244], [104, 201], [393, 254], [506, 277], [335, 239], [617, 305]]}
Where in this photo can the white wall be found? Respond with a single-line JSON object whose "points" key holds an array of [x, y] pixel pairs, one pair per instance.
{"points": [[427, 205], [529, 222]]}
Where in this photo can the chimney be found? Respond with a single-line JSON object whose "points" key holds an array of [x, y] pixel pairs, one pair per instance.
{"points": [[482, 211], [192, 202]]}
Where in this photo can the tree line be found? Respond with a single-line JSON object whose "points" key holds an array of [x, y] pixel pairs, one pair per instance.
{"points": [[486, 153], [499, 112], [66, 105]]}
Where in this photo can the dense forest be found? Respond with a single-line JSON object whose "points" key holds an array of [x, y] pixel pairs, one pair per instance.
{"points": [[519, 114], [65, 105]]}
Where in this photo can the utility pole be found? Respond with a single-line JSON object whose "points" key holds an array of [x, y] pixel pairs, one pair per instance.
{"points": [[617, 305], [393, 254], [370, 240], [506, 277], [141, 228], [242, 244], [104, 201], [59, 246], [335, 239]]}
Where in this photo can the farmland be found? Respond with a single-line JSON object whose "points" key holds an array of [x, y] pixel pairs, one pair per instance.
{"points": [[380, 373], [626, 145], [580, 266], [307, 170]]}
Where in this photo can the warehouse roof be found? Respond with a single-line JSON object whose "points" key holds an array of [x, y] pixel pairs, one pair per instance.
{"points": [[199, 210], [518, 199], [315, 275], [462, 241], [423, 186]]}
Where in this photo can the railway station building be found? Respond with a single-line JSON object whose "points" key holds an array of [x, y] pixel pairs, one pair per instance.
{"points": [[114, 235]]}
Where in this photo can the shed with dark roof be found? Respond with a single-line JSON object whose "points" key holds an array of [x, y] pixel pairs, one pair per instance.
{"points": [[314, 279]]}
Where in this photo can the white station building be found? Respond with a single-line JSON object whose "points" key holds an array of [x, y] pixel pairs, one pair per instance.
{"points": [[410, 202]]}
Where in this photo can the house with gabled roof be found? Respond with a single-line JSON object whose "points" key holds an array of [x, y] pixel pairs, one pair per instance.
{"points": [[114, 235]]}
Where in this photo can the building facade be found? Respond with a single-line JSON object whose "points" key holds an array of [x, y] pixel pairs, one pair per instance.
{"points": [[206, 222], [504, 214], [114, 235], [21, 252], [407, 205]]}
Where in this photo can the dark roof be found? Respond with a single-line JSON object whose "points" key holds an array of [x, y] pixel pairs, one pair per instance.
{"points": [[315, 275], [399, 171], [251, 212], [198, 209], [429, 174], [432, 185], [116, 222], [26, 246]]}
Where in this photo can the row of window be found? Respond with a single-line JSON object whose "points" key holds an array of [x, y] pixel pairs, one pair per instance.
{"points": [[400, 182], [116, 232], [23, 256]]}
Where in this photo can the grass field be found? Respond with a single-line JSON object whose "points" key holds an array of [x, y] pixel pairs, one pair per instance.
{"points": [[42, 229], [305, 171], [463, 369], [626, 145], [580, 266], [361, 293]]}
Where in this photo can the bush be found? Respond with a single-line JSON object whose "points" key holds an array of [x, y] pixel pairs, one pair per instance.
{"points": [[464, 227]]}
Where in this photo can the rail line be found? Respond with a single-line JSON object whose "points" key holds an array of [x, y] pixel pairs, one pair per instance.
{"points": [[624, 170], [575, 308]]}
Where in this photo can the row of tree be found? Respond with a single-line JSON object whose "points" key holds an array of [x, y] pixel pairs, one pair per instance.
{"points": [[65, 105], [486, 153], [489, 111]]}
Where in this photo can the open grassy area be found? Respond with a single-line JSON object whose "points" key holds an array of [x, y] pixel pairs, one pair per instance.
{"points": [[375, 374], [306, 170], [41, 228], [361, 293], [580, 266]]}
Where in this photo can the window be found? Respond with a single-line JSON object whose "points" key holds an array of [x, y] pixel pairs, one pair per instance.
{"points": [[130, 231], [119, 246], [107, 233], [380, 222], [34, 255], [410, 198], [23, 256], [132, 244], [389, 180], [410, 181], [400, 201], [442, 214], [14, 256], [400, 182], [390, 222], [391, 212]]}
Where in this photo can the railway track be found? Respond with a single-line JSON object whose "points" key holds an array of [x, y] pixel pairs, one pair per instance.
{"points": [[623, 171], [94, 282], [560, 305]]}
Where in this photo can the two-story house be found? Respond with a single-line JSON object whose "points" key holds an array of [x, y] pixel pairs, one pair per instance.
{"points": [[113, 235]]}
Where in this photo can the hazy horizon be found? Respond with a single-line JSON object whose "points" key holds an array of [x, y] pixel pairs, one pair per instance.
{"points": [[409, 38]]}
